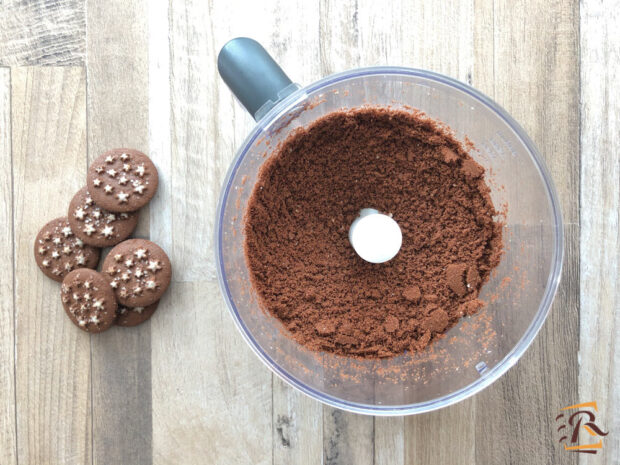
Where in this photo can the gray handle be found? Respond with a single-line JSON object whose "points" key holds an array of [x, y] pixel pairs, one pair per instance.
{"points": [[253, 76]]}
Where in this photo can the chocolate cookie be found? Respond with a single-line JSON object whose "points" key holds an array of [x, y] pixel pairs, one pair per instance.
{"points": [[139, 271], [88, 300], [128, 316], [58, 251], [96, 226], [122, 180]]}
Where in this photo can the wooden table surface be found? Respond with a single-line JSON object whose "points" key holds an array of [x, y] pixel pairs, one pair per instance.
{"points": [[79, 77]]}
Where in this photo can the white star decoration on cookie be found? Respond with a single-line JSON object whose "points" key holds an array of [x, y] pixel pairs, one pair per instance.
{"points": [[57, 241], [96, 214], [154, 266], [81, 260], [129, 263], [107, 231], [111, 217], [89, 229], [109, 159], [67, 231], [139, 188], [125, 277], [98, 304], [126, 167], [111, 172], [94, 320], [139, 273], [79, 213], [151, 285], [79, 243], [55, 254], [123, 180], [122, 197], [108, 189], [89, 200], [96, 182], [140, 170], [140, 254], [124, 156], [137, 290], [138, 309], [118, 257], [114, 284], [42, 250], [46, 263], [68, 266], [99, 170], [66, 250]]}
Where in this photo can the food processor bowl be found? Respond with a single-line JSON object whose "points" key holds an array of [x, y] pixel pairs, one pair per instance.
{"points": [[480, 348]]}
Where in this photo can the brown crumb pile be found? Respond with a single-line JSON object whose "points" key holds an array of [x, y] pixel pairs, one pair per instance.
{"points": [[314, 185]]}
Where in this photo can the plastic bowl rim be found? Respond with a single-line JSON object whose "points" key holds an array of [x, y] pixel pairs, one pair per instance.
{"points": [[489, 376]]}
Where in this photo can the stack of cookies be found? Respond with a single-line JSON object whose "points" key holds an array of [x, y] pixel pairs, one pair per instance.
{"points": [[135, 273]]}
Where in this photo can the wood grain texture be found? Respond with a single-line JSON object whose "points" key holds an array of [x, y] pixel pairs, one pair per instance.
{"points": [[534, 61], [439, 39], [200, 146], [347, 438], [53, 359], [118, 117], [185, 388], [42, 32], [389, 441], [599, 350], [8, 440], [297, 426], [206, 408]]}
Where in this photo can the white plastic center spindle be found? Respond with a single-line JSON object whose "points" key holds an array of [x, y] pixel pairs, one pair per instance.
{"points": [[375, 237]]}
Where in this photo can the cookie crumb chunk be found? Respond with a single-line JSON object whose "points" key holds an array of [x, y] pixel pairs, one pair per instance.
{"points": [[412, 294]]}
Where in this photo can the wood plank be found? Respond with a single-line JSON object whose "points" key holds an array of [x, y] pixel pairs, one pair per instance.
{"points": [[347, 438], [293, 40], [42, 32], [389, 440], [534, 60], [439, 36], [8, 440], [298, 426], [206, 406], [206, 126], [53, 357], [457, 442], [600, 200], [117, 49]]}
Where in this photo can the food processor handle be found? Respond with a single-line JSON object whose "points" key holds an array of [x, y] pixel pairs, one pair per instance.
{"points": [[253, 76]]}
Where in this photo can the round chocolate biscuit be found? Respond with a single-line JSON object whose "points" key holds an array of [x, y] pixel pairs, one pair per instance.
{"points": [[122, 180], [97, 226], [58, 250], [133, 316], [139, 271], [89, 300]]}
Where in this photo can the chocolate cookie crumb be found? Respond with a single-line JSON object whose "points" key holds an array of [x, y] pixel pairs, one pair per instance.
{"points": [[308, 193], [412, 294], [455, 277]]}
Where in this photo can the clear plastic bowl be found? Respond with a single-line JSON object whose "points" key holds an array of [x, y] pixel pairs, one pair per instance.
{"points": [[480, 348]]}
